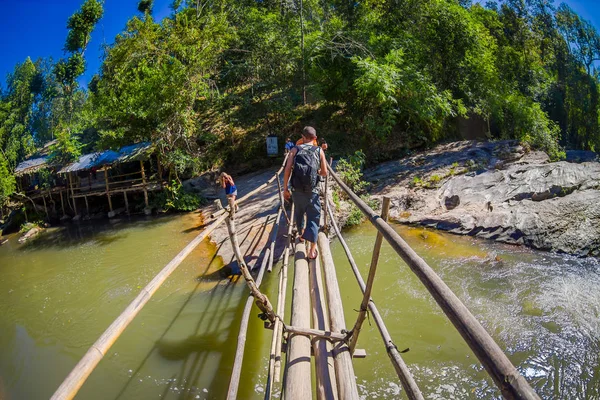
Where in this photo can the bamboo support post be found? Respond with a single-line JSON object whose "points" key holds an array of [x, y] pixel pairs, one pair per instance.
{"points": [[71, 385], [62, 202], [325, 376], [159, 172], [505, 375], [236, 372], [144, 183], [72, 195], [45, 206], [346, 380], [110, 207], [385, 209], [297, 383], [406, 378], [126, 202], [87, 206]]}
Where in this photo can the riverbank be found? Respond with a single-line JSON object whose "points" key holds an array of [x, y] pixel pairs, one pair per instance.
{"points": [[497, 190]]}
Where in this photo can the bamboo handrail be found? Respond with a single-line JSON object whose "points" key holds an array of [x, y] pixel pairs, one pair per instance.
{"points": [[503, 372], [236, 372], [385, 209], [71, 385], [406, 378]]}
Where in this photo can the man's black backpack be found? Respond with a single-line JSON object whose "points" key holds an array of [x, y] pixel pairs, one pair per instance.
{"points": [[307, 164]]}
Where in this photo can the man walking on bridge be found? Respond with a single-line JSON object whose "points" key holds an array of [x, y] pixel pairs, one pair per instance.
{"points": [[308, 162]]}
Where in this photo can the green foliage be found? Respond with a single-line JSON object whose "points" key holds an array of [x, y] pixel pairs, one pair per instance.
{"points": [[81, 24], [350, 170], [174, 197], [145, 6], [355, 217], [211, 80]]}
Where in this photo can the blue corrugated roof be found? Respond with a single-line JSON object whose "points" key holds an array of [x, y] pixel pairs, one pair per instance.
{"points": [[86, 161], [31, 165], [132, 152], [135, 152]]}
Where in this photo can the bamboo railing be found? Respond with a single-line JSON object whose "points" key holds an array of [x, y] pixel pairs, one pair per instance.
{"points": [[511, 384]]}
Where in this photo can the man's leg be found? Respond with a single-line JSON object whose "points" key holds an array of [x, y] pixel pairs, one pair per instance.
{"points": [[301, 202], [313, 218]]}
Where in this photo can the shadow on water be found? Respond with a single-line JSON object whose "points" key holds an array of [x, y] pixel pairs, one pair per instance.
{"points": [[102, 233], [212, 334]]}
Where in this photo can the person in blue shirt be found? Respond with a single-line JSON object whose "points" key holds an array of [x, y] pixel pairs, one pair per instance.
{"points": [[228, 184], [289, 145]]}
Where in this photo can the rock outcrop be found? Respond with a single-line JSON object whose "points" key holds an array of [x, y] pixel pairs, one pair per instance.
{"points": [[499, 191]]}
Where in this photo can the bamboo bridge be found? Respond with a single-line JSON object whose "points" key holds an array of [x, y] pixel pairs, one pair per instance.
{"points": [[316, 333]]}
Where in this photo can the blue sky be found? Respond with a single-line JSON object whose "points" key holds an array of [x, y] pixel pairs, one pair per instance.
{"points": [[37, 28]]}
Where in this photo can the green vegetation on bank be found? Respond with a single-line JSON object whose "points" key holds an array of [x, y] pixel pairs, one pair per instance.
{"points": [[208, 83]]}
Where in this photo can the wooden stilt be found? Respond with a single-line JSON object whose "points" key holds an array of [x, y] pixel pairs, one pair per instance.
{"points": [[72, 194], [87, 206], [126, 202], [159, 171], [62, 202], [362, 314], [298, 372], [45, 206], [110, 208], [346, 380], [144, 183]]}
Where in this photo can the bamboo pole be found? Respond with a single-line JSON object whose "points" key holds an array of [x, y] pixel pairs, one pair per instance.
{"points": [[505, 375], [385, 209], [144, 183], [275, 358], [261, 300], [62, 202], [71, 385], [234, 380], [275, 231], [45, 206], [72, 194], [406, 378], [110, 208], [346, 380], [297, 383], [87, 206], [126, 202], [282, 201], [325, 378]]}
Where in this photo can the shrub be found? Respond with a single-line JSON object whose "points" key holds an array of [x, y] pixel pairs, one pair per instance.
{"points": [[355, 217], [350, 170], [176, 198]]}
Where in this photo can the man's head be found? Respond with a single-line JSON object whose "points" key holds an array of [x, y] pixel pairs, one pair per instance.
{"points": [[288, 139], [309, 133]]}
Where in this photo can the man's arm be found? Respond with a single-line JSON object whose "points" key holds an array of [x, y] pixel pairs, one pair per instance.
{"points": [[287, 172], [323, 170]]}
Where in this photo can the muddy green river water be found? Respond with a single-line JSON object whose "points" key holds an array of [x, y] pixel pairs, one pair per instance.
{"points": [[59, 292]]}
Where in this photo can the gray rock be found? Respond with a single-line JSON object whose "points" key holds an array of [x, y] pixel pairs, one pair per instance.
{"points": [[549, 206]]}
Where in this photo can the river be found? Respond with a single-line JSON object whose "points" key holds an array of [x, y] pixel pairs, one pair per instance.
{"points": [[59, 292]]}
